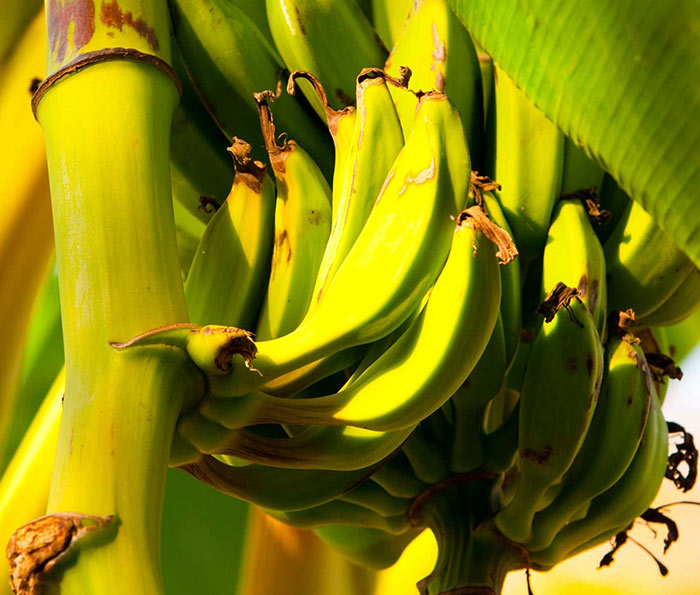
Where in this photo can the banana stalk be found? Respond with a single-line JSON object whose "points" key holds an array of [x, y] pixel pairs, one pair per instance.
{"points": [[106, 110]]}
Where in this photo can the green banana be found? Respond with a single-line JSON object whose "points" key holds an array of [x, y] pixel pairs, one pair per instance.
{"points": [[678, 306], [330, 38], [336, 448], [228, 59], [233, 256], [511, 298], [259, 484], [527, 161], [424, 455], [470, 400], [654, 343], [559, 394], [580, 172], [371, 495], [645, 266], [611, 441], [440, 54], [368, 547], [389, 18], [397, 479], [618, 506], [573, 256], [394, 261], [615, 201], [350, 515], [375, 143], [421, 370], [302, 226]]}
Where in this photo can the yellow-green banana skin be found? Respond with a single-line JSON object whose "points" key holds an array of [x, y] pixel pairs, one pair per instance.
{"points": [[527, 162], [389, 18], [302, 227], [611, 442], [645, 266], [580, 172], [573, 256], [623, 502], [376, 141], [558, 397], [678, 306], [419, 372], [439, 51], [394, 261], [332, 39], [233, 256]]}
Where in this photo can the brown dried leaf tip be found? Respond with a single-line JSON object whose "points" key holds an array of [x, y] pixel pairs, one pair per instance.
{"points": [[590, 200], [621, 539], [663, 365], [237, 342], [479, 184], [500, 237], [38, 546], [619, 323], [685, 457], [557, 299]]}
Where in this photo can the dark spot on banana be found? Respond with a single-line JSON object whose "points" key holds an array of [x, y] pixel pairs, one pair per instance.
{"points": [[540, 457], [344, 97], [594, 294], [589, 364], [629, 400], [301, 25], [583, 285], [571, 363]]}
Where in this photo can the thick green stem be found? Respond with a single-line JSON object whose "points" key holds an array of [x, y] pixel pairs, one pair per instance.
{"points": [[107, 121], [472, 557]]}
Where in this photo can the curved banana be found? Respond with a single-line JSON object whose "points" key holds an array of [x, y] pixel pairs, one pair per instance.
{"points": [[375, 143], [336, 448], [229, 270], [424, 454], [645, 266], [345, 513], [389, 18], [580, 172], [470, 400], [440, 54], [302, 226], [559, 395], [371, 495], [393, 263], [611, 441], [573, 256], [330, 38], [629, 497], [397, 478], [228, 66], [260, 484], [678, 306], [511, 292], [420, 371], [527, 162], [372, 548]]}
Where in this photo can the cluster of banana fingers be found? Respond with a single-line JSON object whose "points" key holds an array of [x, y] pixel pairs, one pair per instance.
{"points": [[375, 359]]}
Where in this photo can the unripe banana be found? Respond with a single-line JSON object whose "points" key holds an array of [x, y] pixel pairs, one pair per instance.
{"points": [[259, 484], [336, 448], [302, 226], [424, 454], [678, 306], [375, 143], [611, 441], [615, 201], [368, 547], [645, 266], [394, 261], [470, 400], [330, 38], [618, 506], [421, 370], [580, 172], [371, 495], [573, 256], [397, 478], [527, 162], [438, 50], [389, 18], [229, 66], [559, 394], [229, 270], [350, 515]]}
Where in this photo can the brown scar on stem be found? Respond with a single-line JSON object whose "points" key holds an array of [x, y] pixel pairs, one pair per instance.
{"points": [[589, 199], [240, 343], [112, 15], [249, 171], [439, 50], [478, 219], [40, 545], [559, 297], [142, 337], [479, 184], [332, 115], [59, 18]]}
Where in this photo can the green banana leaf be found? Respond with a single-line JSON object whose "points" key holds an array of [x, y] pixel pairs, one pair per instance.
{"points": [[620, 78]]}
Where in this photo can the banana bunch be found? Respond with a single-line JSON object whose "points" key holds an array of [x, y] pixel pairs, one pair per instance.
{"points": [[372, 358]]}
